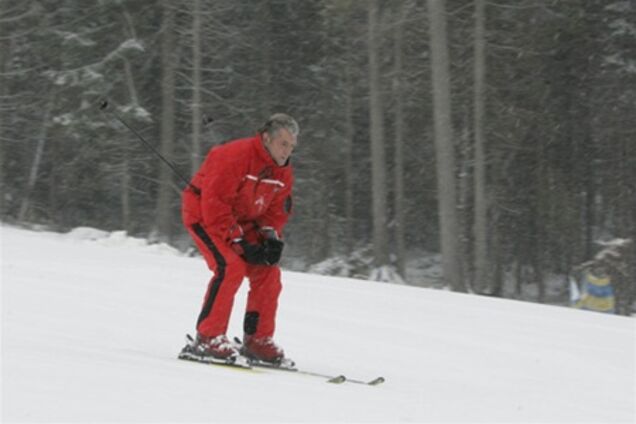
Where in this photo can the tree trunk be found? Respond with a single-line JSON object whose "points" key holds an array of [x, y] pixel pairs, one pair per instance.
{"points": [[125, 172], [465, 186], [125, 195], [480, 228], [444, 148], [378, 167], [37, 160], [195, 157], [267, 66], [590, 208], [5, 53], [348, 160], [497, 284], [164, 197], [130, 80], [400, 244]]}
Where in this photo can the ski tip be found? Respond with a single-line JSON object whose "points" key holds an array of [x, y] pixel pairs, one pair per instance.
{"points": [[337, 380], [376, 381]]}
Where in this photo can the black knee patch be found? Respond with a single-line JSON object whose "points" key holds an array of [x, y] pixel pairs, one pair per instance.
{"points": [[250, 324]]}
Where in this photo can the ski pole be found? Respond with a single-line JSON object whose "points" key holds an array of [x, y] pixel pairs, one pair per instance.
{"points": [[103, 106]]}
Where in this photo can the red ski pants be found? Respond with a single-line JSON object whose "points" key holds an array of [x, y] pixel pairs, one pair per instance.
{"points": [[229, 270]]}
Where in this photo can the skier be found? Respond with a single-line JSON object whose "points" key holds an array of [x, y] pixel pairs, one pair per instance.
{"points": [[235, 210], [607, 285]]}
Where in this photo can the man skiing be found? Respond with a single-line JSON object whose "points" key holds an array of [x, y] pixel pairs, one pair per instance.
{"points": [[235, 210]]}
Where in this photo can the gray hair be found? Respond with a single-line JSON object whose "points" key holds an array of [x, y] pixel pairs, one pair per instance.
{"points": [[279, 121]]}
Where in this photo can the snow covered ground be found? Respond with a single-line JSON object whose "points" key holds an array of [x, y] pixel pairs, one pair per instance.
{"points": [[92, 323]]}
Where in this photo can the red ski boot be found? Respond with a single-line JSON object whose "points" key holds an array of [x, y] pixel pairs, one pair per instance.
{"points": [[262, 349], [210, 349]]}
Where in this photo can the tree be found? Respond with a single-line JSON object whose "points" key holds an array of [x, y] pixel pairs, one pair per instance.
{"points": [[444, 145], [378, 154], [37, 160], [16, 21], [480, 226], [163, 211], [399, 139], [196, 155]]}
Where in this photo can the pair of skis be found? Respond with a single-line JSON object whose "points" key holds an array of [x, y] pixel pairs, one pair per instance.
{"points": [[337, 379], [288, 366]]}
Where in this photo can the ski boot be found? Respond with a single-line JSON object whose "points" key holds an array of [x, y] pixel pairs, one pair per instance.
{"points": [[217, 350], [262, 351]]}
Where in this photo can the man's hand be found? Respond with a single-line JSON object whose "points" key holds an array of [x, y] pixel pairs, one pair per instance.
{"points": [[256, 254], [272, 244], [252, 253], [273, 250]]}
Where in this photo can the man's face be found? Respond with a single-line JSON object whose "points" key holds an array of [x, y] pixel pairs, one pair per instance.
{"points": [[280, 146]]}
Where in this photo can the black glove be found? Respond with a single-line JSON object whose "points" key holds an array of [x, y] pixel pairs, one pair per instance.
{"points": [[273, 250], [252, 253], [268, 253]]}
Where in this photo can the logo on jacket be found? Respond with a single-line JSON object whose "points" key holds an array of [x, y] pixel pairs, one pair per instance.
{"points": [[260, 202]]}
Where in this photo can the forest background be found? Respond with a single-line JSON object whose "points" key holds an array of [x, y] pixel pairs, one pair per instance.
{"points": [[481, 146]]}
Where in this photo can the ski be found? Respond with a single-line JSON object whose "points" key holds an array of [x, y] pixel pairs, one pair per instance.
{"points": [[374, 382], [337, 379], [229, 364], [289, 366]]}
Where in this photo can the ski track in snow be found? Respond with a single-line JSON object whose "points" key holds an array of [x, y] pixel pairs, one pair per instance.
{"points": [[92, 323]]}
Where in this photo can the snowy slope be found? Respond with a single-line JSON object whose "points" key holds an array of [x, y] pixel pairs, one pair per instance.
{"points": [[92, 323]]}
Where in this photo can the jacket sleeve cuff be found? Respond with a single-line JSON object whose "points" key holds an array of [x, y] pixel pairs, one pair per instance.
{"points": [[269, 233]]}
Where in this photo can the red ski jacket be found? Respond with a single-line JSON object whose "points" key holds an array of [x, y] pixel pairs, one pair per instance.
{"points": [[242, 190]]}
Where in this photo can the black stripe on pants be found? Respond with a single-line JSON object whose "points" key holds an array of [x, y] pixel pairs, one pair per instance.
{"points": [[220, 272]]}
